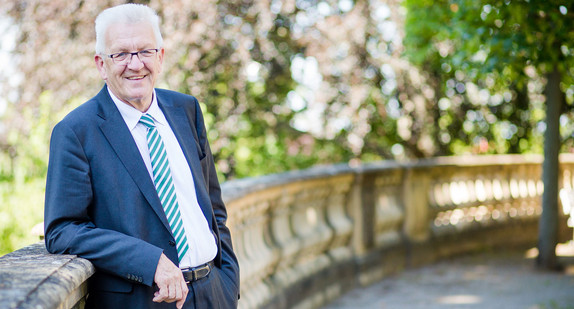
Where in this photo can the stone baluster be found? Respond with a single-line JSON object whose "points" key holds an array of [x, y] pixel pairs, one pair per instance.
{"points": [[338, 218]]}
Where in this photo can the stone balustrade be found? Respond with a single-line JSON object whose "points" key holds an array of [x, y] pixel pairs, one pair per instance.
{"points": [[304, 237], [31, 278]]}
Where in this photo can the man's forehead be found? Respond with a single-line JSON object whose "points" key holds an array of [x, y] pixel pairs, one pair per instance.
{"points": [[120, 34]]}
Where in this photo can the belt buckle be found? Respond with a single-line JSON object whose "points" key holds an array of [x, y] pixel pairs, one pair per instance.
{"points": [[201, 272], [198, 272]]}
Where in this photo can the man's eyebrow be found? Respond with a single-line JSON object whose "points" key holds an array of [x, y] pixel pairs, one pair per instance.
{"points": [[128, 50]]}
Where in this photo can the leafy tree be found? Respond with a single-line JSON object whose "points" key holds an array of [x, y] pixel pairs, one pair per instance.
{"points": [[506, 45]]}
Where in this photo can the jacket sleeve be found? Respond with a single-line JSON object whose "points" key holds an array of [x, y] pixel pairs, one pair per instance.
{"points": [[68, 226]]}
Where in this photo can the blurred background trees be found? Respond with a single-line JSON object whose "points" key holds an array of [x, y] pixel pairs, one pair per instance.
{"points": [[515, 47], [290, 84]]}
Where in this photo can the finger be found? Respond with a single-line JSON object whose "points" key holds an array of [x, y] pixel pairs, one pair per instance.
{"points": [[176, 291], [171, 292], [158, 298], [161, 294], [180, 303], [182, 296], [184, 289]]}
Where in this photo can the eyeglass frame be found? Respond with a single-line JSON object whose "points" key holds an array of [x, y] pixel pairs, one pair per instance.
{"points": [[131, 55]]}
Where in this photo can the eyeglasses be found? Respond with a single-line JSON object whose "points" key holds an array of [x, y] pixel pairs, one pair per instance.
{"points": [[126, 57]]}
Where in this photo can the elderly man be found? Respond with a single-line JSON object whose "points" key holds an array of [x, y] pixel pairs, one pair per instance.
{"points": [[132, 185]]}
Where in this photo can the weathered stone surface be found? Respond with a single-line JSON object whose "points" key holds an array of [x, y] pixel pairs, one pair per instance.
{"points": [[33, 278]]}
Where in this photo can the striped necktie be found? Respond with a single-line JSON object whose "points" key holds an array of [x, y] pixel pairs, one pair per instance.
{"points": [[164, 184]]}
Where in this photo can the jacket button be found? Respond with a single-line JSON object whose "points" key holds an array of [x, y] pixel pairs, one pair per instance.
{"points": [[172, 243]]}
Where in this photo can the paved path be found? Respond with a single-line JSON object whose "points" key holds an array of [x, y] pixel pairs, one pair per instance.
{"points": [[492, 280]]}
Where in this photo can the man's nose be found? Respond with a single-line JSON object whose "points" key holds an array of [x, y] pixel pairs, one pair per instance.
{"points": [[135, 62]]}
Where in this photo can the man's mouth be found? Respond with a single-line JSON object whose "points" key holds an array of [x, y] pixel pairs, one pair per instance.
{"points": [[136, 77]]}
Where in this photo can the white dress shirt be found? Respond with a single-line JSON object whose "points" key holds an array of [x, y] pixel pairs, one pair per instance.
{"points": [[202, 245]]}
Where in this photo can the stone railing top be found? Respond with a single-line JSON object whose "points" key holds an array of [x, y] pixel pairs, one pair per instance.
{"points": [[50, 280], [236, 188], [233, 189]]}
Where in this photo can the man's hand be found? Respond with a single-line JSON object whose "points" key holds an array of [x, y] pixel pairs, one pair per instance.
{"points": [[169, 279]]}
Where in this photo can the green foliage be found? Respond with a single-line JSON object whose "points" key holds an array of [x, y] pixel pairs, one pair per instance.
{"points": [[21, 209], [489, 59], [518, 53], [516, 34], [22, 182]]}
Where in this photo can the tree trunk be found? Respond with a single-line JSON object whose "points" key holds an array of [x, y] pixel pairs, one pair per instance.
{"points": [[548, 227]]}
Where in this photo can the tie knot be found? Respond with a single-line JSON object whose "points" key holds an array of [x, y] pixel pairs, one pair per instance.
{"points": [[147, 121]]}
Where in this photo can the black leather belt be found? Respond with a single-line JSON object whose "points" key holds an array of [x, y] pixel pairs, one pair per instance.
{"points": [[195, 273]]}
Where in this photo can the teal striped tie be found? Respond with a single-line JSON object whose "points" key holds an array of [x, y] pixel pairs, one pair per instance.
{"points": [[164, 184]]}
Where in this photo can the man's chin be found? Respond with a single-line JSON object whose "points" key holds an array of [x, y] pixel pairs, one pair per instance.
{"points": [[138, 102]]}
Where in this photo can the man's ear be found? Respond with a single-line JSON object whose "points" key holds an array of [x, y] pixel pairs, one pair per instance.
{"points": [[101, 67], [160, 59]]}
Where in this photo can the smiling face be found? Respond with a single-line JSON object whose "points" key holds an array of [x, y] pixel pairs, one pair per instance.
{"points": [[133, 82]]}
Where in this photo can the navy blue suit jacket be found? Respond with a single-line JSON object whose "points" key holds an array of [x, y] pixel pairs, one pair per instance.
{"points": [[102, 205]]}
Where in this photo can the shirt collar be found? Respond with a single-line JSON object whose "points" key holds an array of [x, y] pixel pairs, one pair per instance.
{"points": [[155, 112], [132, 115]]}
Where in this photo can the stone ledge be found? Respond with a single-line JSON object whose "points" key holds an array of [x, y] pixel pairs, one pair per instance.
{"points": [[33, 278]]}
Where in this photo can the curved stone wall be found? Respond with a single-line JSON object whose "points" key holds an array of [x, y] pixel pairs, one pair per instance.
{"points": [[304, 237]]}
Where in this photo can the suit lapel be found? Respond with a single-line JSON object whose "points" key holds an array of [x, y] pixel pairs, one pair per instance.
{"points": [[121, 140], [180, 125]]}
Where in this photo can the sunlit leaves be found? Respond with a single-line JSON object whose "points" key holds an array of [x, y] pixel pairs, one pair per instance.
{"points": [[504, 48]]}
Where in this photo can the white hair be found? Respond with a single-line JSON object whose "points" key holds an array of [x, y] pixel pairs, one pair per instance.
{"points": [[125, 13]]}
